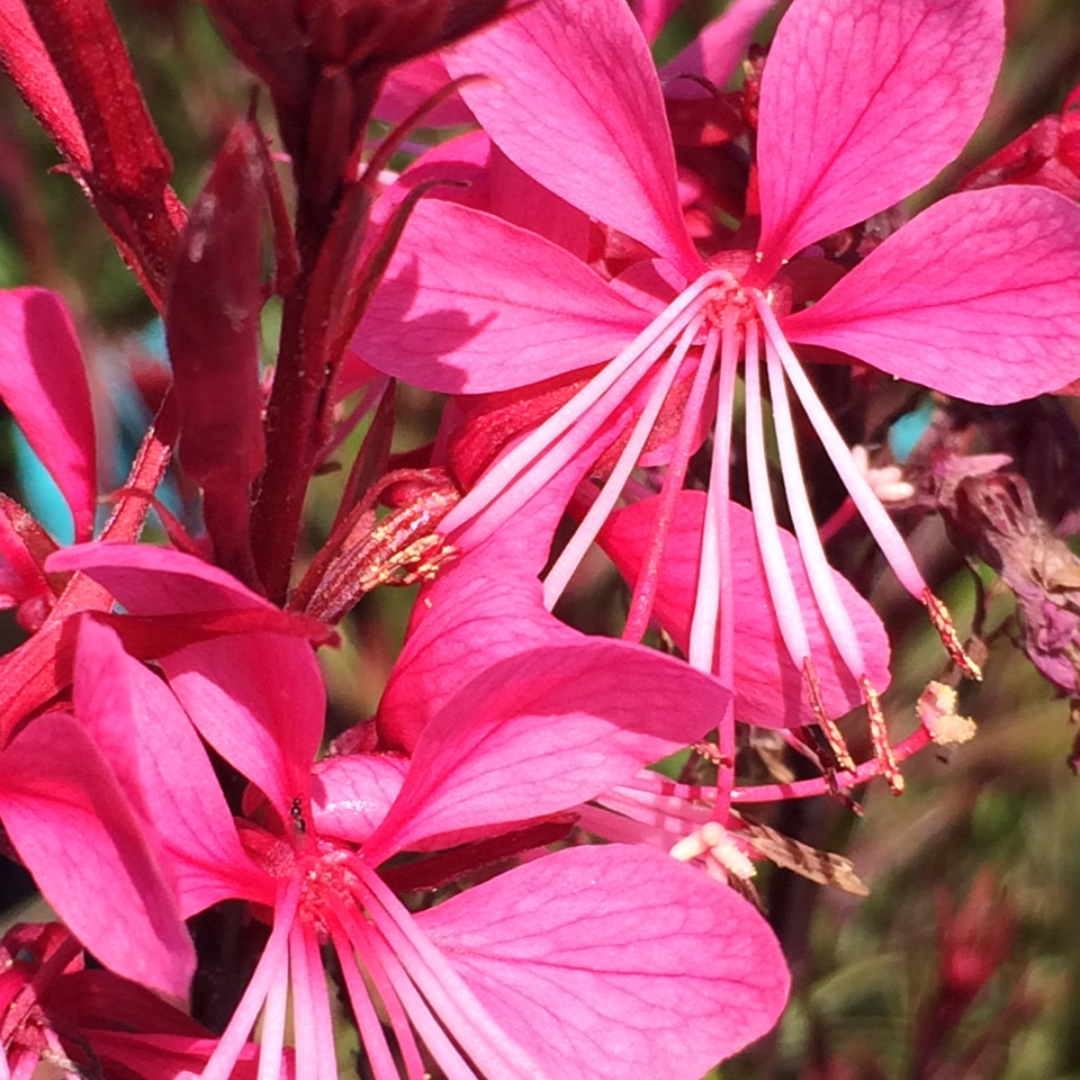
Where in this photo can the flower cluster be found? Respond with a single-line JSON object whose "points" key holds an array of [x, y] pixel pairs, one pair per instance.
{"points": [[535, 858]]}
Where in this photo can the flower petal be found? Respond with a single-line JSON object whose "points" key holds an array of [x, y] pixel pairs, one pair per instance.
{"points": [[543, 731], [978, 297], [574, 100], [351, 794], [151, 745], [862, 102], [482, 609], [769, 689], [257, 698], [72, 825], [609, 962], [410, 85], [526, 309], [653, 14], [43, 383]]}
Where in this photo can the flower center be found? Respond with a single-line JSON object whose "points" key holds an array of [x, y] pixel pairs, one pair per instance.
{"points": [[732, 302], [327, 878]]}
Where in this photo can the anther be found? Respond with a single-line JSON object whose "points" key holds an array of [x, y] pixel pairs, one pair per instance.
{"points": [[828, 725], [879, 738], [717, 844], [943, 624], [937, 713]]}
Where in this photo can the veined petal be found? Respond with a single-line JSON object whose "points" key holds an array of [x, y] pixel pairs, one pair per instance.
{"points": [[257, 698], [769, 689], [862, 102], [524, 310], [478, 616], [482, 609], [352, 793], [978, 297], [575, 102], [154, 750], [43, 383], [643, 966], [72, 825], [471, 171], [543, 731], [516, 197]]}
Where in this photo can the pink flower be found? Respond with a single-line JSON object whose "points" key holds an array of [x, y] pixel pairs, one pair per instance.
{"points": [[525, 974], [862, 102]]}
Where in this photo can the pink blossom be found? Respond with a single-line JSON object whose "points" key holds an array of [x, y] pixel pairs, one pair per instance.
{"points": [[862, 102], [615, 946]]}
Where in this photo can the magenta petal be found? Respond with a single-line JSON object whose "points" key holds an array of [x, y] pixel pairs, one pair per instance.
{"points": [[718, 49], [482, 609], [544, 731], [155, 580], [978, 297], [257, 698], [351, 794], [653, 14], [162, 766], [455, 171], [574, 101], [615, 962], [413, 84], [43, 383], [862, 102], [476, 619], [526, 309], [516, 197], [74, 829], [769, 689], [471, 171]]}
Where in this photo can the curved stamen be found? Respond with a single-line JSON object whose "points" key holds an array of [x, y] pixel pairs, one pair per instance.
{"points": [[313, 1033], [448, 995], [273, 966], [578, 413], [272, 1030], [714, 597], [714, 602], [826, 595], [648, 579], [587, 530], [372, 1036], [405, 1008], [877, 519], [777, 573]]}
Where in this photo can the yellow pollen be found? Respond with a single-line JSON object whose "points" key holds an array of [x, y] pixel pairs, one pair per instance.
{"points": [[937, 713]]}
